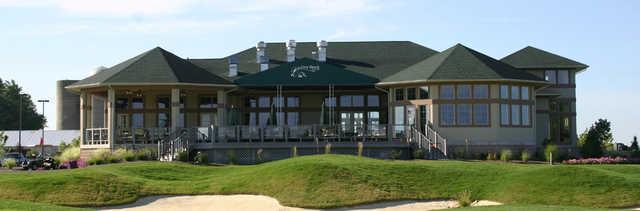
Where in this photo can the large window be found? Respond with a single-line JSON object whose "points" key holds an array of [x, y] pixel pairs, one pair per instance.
{"points": [[411, 93], [464, 92], [447, 92], [525, 92], [399, 94], [399, 115], [464, 114], [550, 75], [137, 120], [481, 91], [515, 92], [330, 101], [504, 91], [293, 102], [137, 103], [447, 114], [526, 115], [515, 114], [563, 77], [264, 102], [163, 120], [504, 114], [292, 118], [481, 114], [373, 100], [352, 101]]}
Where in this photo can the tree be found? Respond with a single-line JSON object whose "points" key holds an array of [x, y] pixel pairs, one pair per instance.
{"points": [[10, 108], [597, 138], [634, 145], [3, 140]]}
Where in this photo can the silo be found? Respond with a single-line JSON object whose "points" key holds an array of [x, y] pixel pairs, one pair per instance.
{"points": [[67, 107]]}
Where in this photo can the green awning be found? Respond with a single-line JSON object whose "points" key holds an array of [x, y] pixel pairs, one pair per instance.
{"points": [[306, 72]]}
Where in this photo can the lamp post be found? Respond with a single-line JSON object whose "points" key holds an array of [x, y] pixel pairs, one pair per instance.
{"points": [[42, 138], [20, 124]]}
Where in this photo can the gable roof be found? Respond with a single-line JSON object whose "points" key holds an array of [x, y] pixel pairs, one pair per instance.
{"points": [[377, 59], [156, 66], [306, 72], [460, 63], [534, 58]]}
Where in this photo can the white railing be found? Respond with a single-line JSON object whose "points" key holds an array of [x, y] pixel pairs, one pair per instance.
{"points": [[96, 136], [430, 140]]}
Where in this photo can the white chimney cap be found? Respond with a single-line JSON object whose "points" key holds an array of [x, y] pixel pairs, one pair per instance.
{"points": [[98, 70], [291, 44], [322, 43], [261, 44]]}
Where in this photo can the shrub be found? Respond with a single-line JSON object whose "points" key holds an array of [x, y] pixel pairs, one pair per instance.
{"points": [[201, 158], [259, 158], [459, 153], [395, 154], [524, 156], [602, 160], [505, 155], [464, 198], [147, 154], [491, 156], [231, 155], [327, 149], [550, 149], [294, 151], [360, 149], [101, 156], [70, 154], [124, 155], [9, 163], [418, 154], [183, 156]]}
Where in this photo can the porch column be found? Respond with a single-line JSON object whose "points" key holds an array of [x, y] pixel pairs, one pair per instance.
{"points": [[111, 116], [175, 108], [222, 105], [83, 114], [391, 96]]}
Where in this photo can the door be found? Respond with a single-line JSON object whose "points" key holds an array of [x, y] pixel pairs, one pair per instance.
{"points": [[424, 117], [351, 122]]}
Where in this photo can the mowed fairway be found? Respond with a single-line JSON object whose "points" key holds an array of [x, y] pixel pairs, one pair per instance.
{"points": [[325, 181]]}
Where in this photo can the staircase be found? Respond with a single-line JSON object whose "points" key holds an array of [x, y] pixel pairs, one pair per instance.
{"points": [[174, 144], [434, 144]]}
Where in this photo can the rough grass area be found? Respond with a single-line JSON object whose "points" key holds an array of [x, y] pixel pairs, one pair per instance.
{"points": [[6, 204], [324, 181], [529, 208]]}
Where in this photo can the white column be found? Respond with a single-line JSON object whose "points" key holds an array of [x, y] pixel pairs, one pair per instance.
{"points": [[222, 105], [83, 125], [175, 108], [111, 118]]}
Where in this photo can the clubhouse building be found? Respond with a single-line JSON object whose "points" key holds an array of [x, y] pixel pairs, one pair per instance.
{"points": [[276, 99]]}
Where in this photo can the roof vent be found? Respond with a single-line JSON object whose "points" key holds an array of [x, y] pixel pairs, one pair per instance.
{"points": [[233, 66], [261, 50], [291, 50], [264, 63], [322, 50], [98, 70]]}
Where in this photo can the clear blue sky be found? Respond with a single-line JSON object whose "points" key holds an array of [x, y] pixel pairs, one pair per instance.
{"points": [[44, 41]]}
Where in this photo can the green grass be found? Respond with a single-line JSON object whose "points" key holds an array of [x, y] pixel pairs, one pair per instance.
{"points": [[334, 180], [22, 205], [528, 208]]}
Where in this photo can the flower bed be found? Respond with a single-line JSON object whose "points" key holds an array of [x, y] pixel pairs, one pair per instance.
{"points": [[602, 160]]}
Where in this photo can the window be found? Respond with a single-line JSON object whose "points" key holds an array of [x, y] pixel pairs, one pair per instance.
{"points": [[424, 92], [525, 93], [515, 92], [263, 119], [279, 101], [163, 102], [357, 100], [565, 127], [345, 101], [564, 106], [252, 119], [137, 103], [264, 102], [504, 91], [293, 102], [251, 102], [515, 114], [411, 93], [137, 120], [330, 101], [399, 94], [292, 118], [374, 118], [464, 114], [163, 120], [563, 77], [207, 119], [180, 120], [550, 75], [464, 92], [280, 118], [447, 114], [399, 115], [373, 100], [122, 103], [481, 91], [208, 102], [526, 120], [504, 114], [182, 102], [447, 92], [481, 114]]}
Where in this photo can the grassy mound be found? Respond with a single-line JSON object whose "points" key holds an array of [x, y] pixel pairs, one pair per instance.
{"points": [[324, 181]]}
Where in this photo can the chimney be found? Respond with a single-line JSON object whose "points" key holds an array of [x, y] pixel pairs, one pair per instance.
{"points": [[233, 66], [291, 50], [261, 51], [322, 50]]}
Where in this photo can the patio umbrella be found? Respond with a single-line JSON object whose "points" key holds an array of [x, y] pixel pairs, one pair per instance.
{"points": [[233, 116], [272, 115], [322, 114]]}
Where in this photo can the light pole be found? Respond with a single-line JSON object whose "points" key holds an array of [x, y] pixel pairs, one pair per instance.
{"points": [[20, 124], [42, 138]]}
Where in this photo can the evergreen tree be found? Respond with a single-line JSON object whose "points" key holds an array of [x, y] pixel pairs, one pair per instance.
{"points": [[10, 108], [634, 145], [597, 139]]}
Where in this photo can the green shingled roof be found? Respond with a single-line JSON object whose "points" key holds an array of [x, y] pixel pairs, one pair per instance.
{"points": [[377, 59], [306, 72], [156, 66], [460, 63], [533, 58]]}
